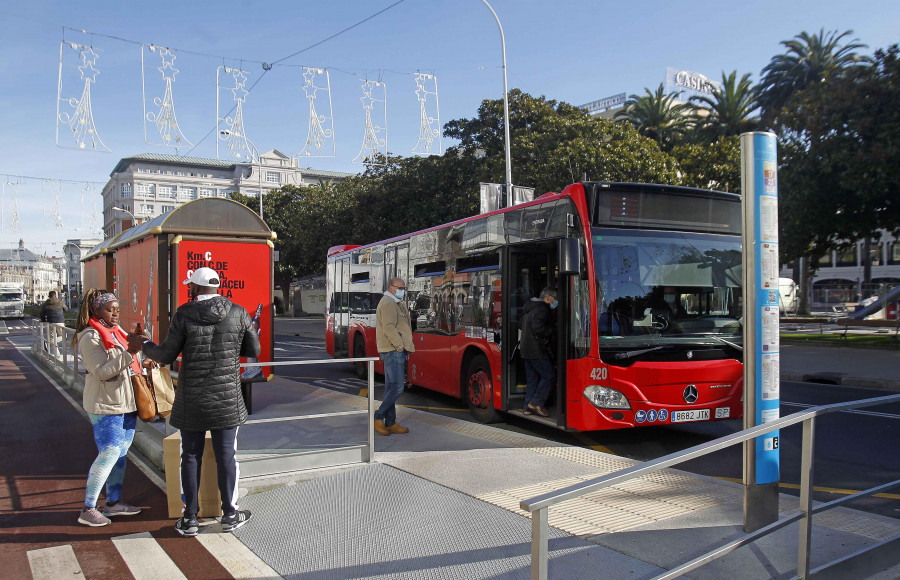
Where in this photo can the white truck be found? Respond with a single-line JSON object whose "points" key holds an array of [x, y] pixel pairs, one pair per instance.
{"points": [[12, 300]]}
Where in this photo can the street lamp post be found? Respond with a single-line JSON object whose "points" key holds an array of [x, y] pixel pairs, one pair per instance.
{"points": [[133, 219], [505, 107], [226, 133]]}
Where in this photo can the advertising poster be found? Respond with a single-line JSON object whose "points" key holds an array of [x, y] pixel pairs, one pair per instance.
{"points": [[136, 266], [245, 275]]}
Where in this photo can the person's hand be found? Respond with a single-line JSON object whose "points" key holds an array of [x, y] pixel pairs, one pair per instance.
{"points": [[135, 343], [149, 363]]}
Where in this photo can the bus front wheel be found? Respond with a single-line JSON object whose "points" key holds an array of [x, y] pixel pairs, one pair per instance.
{"points": [[478, 391]]}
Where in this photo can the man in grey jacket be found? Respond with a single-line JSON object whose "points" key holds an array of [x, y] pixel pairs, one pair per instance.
{"points": [[211, 333]]}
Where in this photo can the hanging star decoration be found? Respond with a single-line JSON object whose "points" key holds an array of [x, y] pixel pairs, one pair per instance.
{"points": [[88, 59], [240, 79], [167, 69], [309, 87]]}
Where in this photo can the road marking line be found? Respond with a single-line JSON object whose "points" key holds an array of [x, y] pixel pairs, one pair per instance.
{"points": [[53, 563], [237, 558], [835, 490], [593, 444], [145, 557]]}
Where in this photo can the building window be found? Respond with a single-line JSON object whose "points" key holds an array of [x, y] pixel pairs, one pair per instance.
{"points": [[206, 192], [145, 209], [144, 189], [273, 177], [187, 193], [126, 190], [893, 253], [165, 191], [847, 256], [222, 193], [167, 208]]}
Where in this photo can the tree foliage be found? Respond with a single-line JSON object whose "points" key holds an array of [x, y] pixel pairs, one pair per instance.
{"points": [[729, 111], [659, 116], [713, 166], [841, 158], [808, 60]]}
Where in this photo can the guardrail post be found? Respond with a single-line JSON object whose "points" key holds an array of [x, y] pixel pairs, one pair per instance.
{"points": [[370, 424], [806, 490], [539, 533]]}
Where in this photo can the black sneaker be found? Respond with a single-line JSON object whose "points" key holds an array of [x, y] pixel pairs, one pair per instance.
{"points": [[187, 527], [527, 411], [539, 409], [233, 521]]}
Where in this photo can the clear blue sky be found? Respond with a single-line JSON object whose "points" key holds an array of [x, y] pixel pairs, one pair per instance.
{"points": [[570, 50]]}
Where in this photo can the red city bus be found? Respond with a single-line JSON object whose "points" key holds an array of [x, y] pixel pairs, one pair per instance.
{"points": [[649, 323]]}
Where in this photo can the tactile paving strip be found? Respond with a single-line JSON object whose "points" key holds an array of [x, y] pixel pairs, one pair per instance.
{"points": [[380, 522]]}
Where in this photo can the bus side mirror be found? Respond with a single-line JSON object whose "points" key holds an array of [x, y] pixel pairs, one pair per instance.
{"points": [[569, 257]]}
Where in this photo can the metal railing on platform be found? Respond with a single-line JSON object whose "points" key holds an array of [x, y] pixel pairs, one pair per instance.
{"points": [[261, 464], [539, 505]]}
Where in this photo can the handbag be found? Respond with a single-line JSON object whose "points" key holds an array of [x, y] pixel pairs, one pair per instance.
{"points": [[163, 390], [143, 397]]}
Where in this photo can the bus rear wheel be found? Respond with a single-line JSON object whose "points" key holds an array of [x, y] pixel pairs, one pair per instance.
{"points": [[478, 391]]}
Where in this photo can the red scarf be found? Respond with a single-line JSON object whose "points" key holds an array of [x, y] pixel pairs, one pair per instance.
{"points": [[114, 337]]}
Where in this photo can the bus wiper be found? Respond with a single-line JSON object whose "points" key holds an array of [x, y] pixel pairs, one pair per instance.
{"points": [[733, 345], [634, 353]]}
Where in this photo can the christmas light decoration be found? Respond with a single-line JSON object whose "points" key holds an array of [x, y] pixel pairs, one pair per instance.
{"points": [[374, 145], [233, 134], [429, 116], [163, 117], [77, 115], [320, 134]]}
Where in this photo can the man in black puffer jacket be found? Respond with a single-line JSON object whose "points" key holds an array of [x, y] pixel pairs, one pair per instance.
{"points": [[211, 334]]}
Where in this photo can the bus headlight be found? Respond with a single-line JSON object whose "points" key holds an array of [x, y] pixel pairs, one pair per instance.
{"points": [[606, 398]]}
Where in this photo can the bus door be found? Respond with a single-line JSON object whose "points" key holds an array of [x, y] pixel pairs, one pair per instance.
{"points": [[532, 267], [340, 306]]}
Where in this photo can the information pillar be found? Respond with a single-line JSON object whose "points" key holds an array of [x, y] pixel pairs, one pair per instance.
{"points": [[759, 188]]}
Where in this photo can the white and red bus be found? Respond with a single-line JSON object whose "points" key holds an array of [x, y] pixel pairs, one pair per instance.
{"points": [[649, 326]]}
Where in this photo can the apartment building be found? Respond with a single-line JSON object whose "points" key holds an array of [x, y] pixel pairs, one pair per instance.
{"points": [[151, 184]]}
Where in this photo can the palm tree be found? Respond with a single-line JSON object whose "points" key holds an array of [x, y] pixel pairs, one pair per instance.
{"points": [[659, 116], [809, 59], [728, 110]]}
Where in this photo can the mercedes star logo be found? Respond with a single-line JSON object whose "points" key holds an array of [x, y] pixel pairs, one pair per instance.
{"points": [[690, 394]]}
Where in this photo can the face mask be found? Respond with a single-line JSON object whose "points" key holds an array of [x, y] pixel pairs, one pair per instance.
{"points": [[401, 292], [554, 304]]}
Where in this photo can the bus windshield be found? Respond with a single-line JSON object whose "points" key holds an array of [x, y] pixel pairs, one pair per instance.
{"points": [[666, 288], [10, 296]]}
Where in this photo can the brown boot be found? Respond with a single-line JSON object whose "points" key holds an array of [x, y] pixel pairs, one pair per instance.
{"points": [[381, 429], [396, 428]]}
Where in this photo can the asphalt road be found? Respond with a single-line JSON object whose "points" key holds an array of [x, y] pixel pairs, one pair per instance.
{"points": [[854, 449]]}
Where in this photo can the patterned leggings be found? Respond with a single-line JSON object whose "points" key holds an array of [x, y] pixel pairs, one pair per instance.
{"points": [[113, 435]]}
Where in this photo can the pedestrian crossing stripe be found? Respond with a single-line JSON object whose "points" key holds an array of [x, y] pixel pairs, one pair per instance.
{"points": [[145, 558], [54, 563]]}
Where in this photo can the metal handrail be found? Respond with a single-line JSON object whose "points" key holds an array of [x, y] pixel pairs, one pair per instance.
{"points": [[40, 340], [539, 505]]}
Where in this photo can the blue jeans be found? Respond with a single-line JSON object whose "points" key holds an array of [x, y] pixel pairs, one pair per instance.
{"points": [[540, 376], [394, 377]]}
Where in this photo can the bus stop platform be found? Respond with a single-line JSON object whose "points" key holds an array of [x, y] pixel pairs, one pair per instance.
{"points": [[443, 502]]}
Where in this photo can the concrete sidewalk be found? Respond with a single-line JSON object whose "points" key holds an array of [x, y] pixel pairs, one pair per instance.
{"points": [[442, 502]]}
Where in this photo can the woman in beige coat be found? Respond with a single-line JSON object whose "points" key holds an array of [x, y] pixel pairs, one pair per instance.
{"points": [[109, 402]]}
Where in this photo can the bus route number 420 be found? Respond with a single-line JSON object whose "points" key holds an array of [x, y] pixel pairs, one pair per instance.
{"points": [[599, 374]]}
